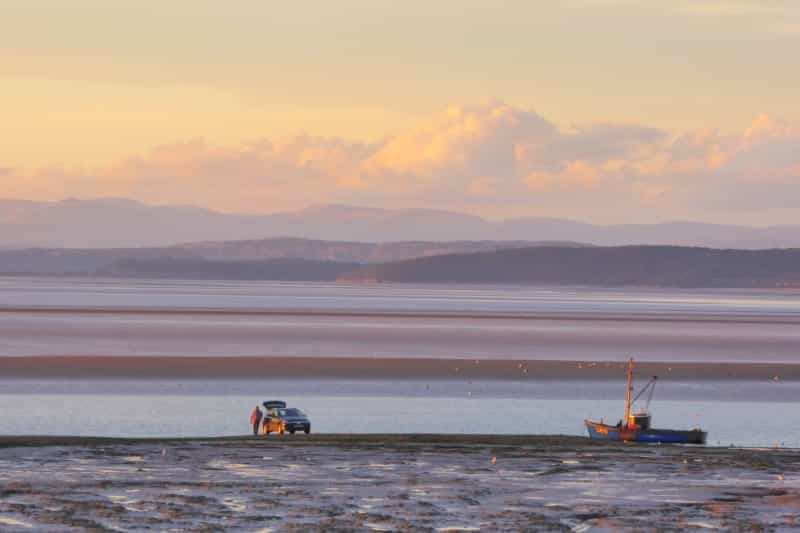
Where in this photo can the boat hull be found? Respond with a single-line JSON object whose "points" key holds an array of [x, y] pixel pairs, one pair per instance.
{"points": [[605, 432]]}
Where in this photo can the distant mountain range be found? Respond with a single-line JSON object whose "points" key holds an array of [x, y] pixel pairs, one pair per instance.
{"points": [[119, 223], [121, 238]]}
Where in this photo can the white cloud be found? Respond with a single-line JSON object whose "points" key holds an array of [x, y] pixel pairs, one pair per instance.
{"points": [[493, 158]]}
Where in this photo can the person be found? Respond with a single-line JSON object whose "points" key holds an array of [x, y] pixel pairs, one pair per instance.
{"points": [[255, 419]]}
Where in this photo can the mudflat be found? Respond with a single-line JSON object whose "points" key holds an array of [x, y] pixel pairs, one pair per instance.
{"points": [[391, 483], [232, 367]]}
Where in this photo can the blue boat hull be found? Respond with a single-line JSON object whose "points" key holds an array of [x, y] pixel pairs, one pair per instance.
{"points": [[606, 432], [601, 431]]}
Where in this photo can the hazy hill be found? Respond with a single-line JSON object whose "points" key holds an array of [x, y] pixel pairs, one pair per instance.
{"points": [[272, 270], [116, 223], [359, 252], [666, 266]]}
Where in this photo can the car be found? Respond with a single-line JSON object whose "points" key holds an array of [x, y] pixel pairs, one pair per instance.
{"points": [[278, 418]]}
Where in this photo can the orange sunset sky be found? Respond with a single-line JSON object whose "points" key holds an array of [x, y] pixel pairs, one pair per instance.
{"points": [[599, 110]]}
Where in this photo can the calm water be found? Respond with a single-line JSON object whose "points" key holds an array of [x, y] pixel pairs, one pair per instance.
{"points": [[194, 318], [746, 414]]}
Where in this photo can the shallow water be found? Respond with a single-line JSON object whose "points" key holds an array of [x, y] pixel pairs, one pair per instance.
{"points": [[739, 413]]}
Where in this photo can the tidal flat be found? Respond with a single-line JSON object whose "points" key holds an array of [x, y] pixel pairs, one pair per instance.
{"points": [[328, 482]]}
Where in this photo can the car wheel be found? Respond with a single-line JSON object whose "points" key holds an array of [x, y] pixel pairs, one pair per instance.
{"points": [[291, 431], [307, 430]]}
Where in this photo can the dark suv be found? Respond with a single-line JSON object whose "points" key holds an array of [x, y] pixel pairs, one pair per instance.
{"points": [[279, 418], [294, 420]]}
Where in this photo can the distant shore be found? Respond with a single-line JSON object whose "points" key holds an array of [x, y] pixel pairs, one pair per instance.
{"points": [[238, 367]]}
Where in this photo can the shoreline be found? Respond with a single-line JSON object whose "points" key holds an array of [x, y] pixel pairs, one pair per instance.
{"points": [[447, 441], [376, 368], [315, 439]]}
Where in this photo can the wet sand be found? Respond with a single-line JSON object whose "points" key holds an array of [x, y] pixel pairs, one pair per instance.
{"points": [[60, 317], [298, 367], [553, 336], [391, 483]]}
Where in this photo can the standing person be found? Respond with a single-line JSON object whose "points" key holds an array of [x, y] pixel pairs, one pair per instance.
{"points": [[255, 419]]}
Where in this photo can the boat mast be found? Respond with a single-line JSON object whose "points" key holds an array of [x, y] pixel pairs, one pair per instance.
{"points": [[629, 392]]}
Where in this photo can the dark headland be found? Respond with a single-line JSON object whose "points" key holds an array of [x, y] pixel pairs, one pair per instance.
{"points": [[614, 266]]}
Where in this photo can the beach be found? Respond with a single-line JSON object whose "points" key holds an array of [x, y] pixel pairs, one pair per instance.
{"points": [[391, 483]]}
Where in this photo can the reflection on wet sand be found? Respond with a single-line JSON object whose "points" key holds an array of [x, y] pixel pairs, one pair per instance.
{"points": [[172, 318]]}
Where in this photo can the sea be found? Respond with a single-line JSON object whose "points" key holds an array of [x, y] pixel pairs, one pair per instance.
{"points": [[76, 316]]}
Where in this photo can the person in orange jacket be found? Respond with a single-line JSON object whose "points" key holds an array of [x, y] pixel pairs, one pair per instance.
{"points": [[255, 419]]}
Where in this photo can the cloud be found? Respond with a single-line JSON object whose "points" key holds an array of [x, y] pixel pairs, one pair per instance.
{"points": [[491, 158], [736, 7], [758, 169], [259, 175], [495, 154]]}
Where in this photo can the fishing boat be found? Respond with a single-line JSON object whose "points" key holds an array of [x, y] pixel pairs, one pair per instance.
{"points": [[635, 427]]}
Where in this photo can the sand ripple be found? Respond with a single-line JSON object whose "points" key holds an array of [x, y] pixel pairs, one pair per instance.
{"points": [[423, 486]]}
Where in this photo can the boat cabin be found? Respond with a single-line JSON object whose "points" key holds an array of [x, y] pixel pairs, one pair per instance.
{"points": [[639, 421]]}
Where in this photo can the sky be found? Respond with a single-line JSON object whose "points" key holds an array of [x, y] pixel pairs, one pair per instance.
{"points": [[597, 110]]}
